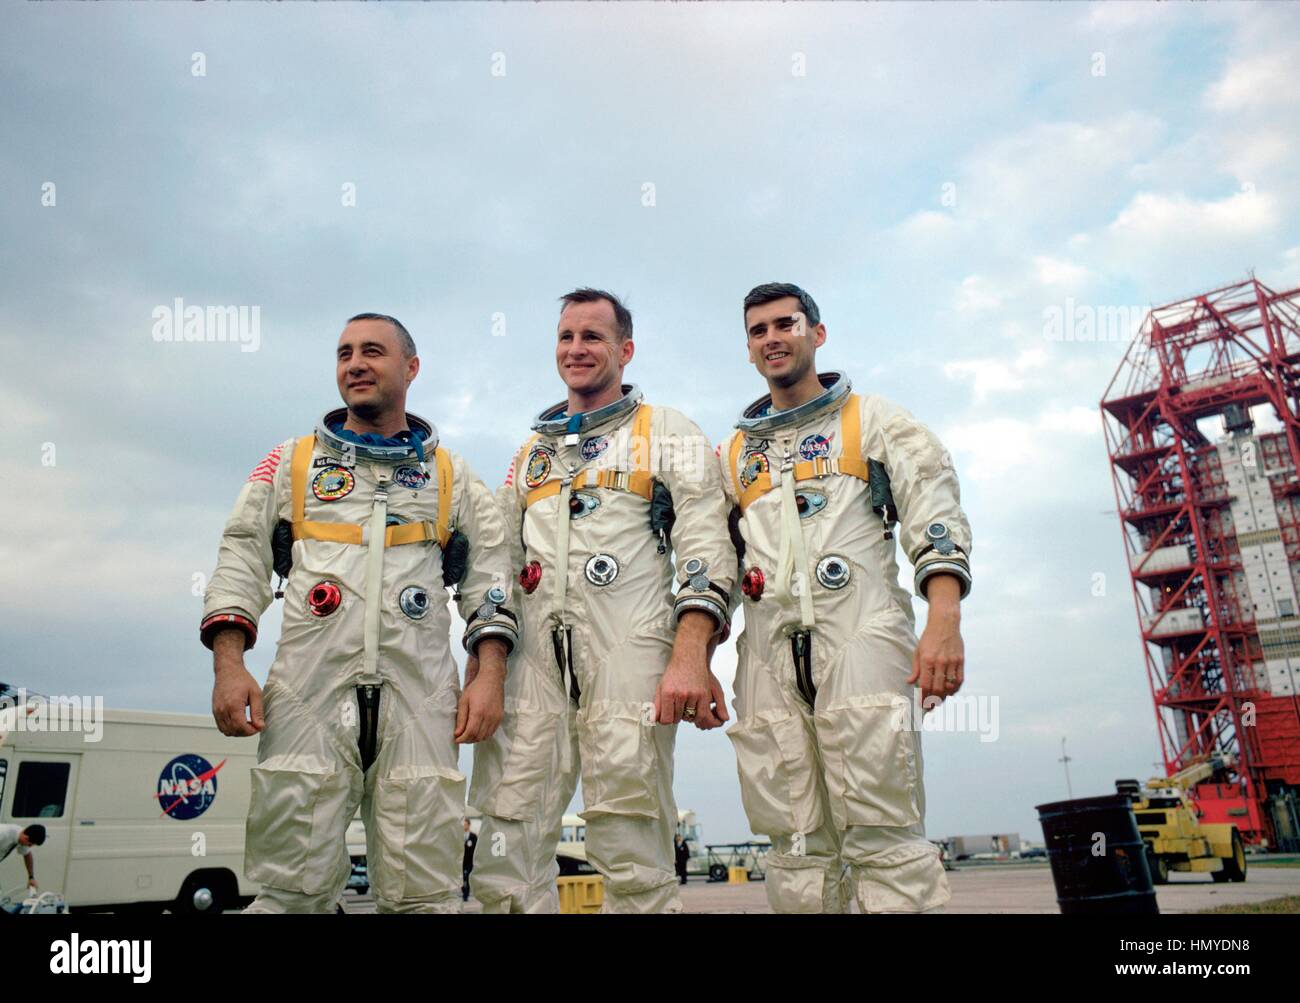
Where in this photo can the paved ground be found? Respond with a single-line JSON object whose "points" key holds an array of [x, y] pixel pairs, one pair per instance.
{"points": [[1029, 889], [1009, 888]]}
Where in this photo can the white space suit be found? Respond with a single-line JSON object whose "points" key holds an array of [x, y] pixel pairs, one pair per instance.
{"points": [[599, 619], [360, 702], [828, 750]]}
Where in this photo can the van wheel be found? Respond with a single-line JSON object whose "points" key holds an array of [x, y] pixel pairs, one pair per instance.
{"points": [[203, 894]]}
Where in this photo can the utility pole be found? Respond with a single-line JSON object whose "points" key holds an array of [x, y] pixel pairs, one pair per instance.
{"points": [[1069, 791]]}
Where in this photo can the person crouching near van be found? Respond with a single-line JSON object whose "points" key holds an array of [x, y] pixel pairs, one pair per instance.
{"points": [[15, 837]]}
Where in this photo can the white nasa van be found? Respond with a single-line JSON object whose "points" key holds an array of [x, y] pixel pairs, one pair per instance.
{"points": [[149, 815]]}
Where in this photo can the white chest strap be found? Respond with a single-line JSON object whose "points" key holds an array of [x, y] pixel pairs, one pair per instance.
{"points": [[375, 532], [792, 584]]}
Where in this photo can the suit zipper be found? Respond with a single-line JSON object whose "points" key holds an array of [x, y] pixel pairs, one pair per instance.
{"points": [[368, 703], [801, 652]]}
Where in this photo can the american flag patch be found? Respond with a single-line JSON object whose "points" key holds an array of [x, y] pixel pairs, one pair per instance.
{"points": [[265, 471]]}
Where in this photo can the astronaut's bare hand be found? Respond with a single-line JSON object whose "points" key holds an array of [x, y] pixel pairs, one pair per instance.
{"points": [[482, 705], [714, 712], [234, 691], [939, 663], [471, 669], [685, 683]]}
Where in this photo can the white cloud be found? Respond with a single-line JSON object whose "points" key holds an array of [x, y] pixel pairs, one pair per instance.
{"points": [[1154, 218], [1076, 420], [1041, 175], [927, 227], [1256, 81], [988, 376], [1059, 272], [991, 449], [992, 375], [976, 295], [1111, 15], [1256, 155]]}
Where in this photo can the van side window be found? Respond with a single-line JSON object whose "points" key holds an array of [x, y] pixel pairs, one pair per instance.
{"points": [[41, 790]]}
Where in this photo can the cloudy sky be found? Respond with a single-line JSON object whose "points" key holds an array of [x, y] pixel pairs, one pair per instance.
{"points": [[941, 178]]}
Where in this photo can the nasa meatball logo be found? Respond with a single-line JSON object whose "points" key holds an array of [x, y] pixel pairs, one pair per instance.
{"points": [[815, 447], [592, 447], [187, 786], [411, 477]]}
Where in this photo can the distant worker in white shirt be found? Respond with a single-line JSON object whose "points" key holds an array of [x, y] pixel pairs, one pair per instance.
{"points": [[16, 837]]}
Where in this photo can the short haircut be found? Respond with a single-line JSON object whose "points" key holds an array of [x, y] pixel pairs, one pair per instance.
{"points": [[768, 292], [622, 317], [36, 833], [403, 335]]}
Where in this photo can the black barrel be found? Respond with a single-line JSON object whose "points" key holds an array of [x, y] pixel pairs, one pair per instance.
{"points": [[1116, 882]]}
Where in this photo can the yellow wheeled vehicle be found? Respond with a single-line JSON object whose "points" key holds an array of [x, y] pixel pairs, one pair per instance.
{"points": [[1169, 823]]}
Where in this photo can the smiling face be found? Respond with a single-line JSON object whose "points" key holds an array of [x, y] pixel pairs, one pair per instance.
{"points": [[781, 346], [372, 372], [589, 354]]}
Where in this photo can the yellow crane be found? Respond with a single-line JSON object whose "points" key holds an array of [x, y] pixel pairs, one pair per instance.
{"points": [[1169, 823]]}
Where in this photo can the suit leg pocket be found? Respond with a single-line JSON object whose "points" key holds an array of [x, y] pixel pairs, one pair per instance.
{"points": [[296, 822], [419, 844], [908, 879], [511, 769], [619, 760], [868, 745], [777, 764]]}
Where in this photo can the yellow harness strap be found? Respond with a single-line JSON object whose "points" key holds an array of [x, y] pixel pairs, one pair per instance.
{"points": [[759, 486], [638, 481], [442, 527], [849, 462], [343, 532]]}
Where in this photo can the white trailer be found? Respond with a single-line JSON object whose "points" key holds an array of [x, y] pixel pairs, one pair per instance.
{"points": [[150, 815]]}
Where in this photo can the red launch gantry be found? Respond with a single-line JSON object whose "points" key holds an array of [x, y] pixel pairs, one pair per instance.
{"points": [[1210, 511]]}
